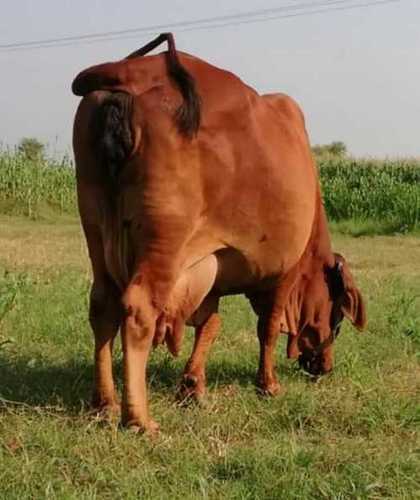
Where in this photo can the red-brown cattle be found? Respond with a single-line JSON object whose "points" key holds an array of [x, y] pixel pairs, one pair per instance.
{"points": [[186, 178], [320, 297]]}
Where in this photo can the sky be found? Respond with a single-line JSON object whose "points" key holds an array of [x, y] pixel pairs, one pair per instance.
{"points": [[355, 73]]}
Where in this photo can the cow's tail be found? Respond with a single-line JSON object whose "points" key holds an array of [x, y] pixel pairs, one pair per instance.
{"points": [[188, 115], [112, 135], [115, 77]]}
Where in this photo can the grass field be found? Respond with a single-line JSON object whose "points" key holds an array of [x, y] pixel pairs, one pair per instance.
{"points": [[353, 434]]}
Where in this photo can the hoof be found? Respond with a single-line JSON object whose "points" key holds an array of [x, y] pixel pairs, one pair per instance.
{"points": [[272, 389], [105, 408], [192, 389], [151, 428]]}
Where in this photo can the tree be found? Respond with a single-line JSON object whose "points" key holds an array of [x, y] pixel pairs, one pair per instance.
{"points": [[32, 149], [336, 149]]}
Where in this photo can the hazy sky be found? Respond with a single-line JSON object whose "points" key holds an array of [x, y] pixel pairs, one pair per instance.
{"points": [[356, 73]]}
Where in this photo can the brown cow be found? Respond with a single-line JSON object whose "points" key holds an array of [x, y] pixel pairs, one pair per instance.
{"points": [[322, 294], [320, 297], [179, 163]]}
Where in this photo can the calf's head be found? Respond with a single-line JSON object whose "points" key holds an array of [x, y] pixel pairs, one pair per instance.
{"points": [[329, 296]]}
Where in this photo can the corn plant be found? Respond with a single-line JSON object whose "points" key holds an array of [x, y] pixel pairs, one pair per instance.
{"points": [[353, 189]]}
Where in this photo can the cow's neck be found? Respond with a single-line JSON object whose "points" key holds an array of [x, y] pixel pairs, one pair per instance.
{"points": [[319, 247]]}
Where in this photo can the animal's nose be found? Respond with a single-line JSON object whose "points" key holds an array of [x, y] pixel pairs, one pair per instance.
{"points": [[312, 365]]}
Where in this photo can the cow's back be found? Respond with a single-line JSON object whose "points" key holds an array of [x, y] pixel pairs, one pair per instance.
{"points": [[246, 182]]}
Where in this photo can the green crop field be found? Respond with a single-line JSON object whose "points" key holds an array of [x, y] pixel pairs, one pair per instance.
{"points": [[351, 434], [361, 196]]}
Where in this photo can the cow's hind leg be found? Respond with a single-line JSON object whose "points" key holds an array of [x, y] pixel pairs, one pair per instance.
{"points": [[105, 318], [193, 384], [105, 314], [137, 333]]}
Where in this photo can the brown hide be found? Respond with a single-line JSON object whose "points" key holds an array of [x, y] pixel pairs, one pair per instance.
{"points": [[242, 187], [246, 182], [321, 291], [124, 76]]}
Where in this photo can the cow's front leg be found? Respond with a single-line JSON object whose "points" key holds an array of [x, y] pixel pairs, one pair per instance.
{"points": [[137, 336], [193, 384], [266, 378]]}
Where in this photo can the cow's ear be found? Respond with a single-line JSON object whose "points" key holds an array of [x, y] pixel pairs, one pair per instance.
{"points": [[354, 308], [345, 290]]}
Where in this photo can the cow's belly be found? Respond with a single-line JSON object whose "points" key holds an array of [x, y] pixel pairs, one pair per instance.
{"points": [[254, 248], [273, 238], [279, 248], [235, 273], [254, 262]]}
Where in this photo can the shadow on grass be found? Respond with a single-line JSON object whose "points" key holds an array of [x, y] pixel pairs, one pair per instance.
{"points": [[40, 382], [36, 383], [31, 382]]}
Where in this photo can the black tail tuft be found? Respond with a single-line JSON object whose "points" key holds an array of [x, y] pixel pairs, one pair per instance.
{"points": [[112, 136], [188, 115]]}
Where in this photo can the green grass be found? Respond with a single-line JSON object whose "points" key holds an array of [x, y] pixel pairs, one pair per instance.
{"points": [[353, 434], [361, 196]]}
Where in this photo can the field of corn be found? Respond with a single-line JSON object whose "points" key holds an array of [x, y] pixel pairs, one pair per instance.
{"points": [[31, 187], [383, 195]]}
